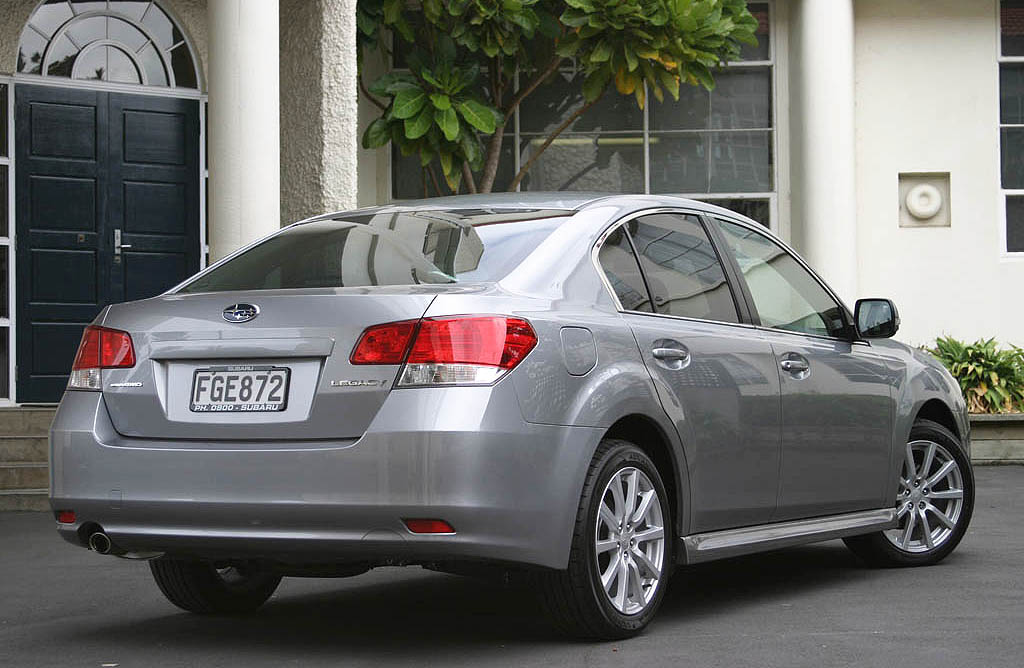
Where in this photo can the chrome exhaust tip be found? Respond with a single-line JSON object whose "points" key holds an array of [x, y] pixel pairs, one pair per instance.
{"points": [[99, 542]]}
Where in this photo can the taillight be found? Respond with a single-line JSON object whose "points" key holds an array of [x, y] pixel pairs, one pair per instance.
{"points": [[101, 348], [384, 344], [458, 350]]}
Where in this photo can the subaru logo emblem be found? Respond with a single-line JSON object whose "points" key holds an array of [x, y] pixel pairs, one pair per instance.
{"points": [[241, 312]]}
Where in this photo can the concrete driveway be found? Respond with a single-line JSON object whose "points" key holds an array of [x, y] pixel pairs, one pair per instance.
{"points": [[812, 606]]}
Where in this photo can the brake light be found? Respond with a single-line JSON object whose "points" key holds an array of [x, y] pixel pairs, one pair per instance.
{"points": [[101, 348], [457, 350]]}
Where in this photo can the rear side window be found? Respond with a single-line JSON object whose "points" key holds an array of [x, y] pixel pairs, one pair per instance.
{"points": [[785, 294], [405, 248], [682, 268], [622, 270]]}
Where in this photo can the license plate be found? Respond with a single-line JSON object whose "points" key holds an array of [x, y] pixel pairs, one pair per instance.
{"points": [[239, 389]]}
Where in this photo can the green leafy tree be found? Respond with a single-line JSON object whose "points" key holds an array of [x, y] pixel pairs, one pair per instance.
{"points": [[450, 98]]}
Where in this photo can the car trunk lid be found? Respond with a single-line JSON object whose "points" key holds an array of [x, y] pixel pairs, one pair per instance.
{"points": [[310, 333]]}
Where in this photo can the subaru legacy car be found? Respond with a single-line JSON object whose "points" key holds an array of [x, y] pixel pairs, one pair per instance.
{"points": [[586, 391]]}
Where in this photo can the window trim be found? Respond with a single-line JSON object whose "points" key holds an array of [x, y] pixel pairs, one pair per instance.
{"points": [[742, 312], [8, 241], [753, 226], [1003, 193], [165, 57]]}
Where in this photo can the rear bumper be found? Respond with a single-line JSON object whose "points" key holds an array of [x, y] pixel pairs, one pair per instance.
{"points": [[464, 455]]}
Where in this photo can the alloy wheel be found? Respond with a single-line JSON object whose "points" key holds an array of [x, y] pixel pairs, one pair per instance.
{"points": [[930, 500], [629, 543]]}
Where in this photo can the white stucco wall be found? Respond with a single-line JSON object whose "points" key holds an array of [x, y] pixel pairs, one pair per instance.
{"points": [[927, 101], [319, 111], [13, 18]]}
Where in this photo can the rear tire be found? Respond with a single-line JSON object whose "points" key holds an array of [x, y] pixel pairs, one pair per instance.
{"points": [[943, 512], [200, 587], [577, 600]]}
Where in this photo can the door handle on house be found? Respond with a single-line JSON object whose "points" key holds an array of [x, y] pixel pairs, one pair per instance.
{"points": [[118, 246]]}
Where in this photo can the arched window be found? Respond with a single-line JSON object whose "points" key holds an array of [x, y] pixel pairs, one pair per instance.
{"points": [[122, 41]]}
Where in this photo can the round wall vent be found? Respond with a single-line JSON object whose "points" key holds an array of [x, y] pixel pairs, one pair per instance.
{"points": [[924, 201]]}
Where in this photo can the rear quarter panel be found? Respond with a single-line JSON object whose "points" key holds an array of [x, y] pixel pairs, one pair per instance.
{"points": [[558, 287]]}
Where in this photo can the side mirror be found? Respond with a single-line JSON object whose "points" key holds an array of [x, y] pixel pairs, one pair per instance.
{"points": [[876, 318]]}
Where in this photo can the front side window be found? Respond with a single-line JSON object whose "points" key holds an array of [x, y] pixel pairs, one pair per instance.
{"points": [[682, 269], [785, 294], [457, 246]]}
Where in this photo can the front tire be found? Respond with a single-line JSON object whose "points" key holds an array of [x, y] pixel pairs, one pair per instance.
{"points": [[201, 587], [934, 503], [621, 556]]}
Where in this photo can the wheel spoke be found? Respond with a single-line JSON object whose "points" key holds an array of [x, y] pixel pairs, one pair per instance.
{"points": [[606, 544], [631, 491], [941, 516], [645, 503], [650, 533], [609, 573], [609, 517], [911, 466], [620, 504], [623, 578], [902, 510], [927, 530], [636, 583], [909, 531], [943, 471], [948, 494], [929, 457], [643, 560]]}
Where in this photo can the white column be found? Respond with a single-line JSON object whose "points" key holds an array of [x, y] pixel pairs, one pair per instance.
{"points": [[243, 123], [822, 127]]}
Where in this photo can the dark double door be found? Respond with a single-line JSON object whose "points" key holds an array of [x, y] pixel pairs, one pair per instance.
{"points": [[107, 196]]}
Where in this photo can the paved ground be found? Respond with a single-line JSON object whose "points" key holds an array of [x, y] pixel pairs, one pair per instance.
{"points": [[813, 606]]}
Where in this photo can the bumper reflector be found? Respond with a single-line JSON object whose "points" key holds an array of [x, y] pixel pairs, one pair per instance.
{"points": [[66, 516], [428, 526]]}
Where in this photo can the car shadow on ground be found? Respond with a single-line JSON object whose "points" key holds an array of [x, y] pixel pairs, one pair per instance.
{"points": [[422, 612]]}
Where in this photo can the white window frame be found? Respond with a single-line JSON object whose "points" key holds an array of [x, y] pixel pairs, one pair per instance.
{"points": [[8, 241], [1003, 253], [778, 211]]}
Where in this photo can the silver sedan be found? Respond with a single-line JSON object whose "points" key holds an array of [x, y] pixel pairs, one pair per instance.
{"points": [[584, 390]]}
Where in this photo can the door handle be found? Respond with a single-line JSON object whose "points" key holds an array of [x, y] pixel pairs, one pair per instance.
{"points": [[794, 366], [670, 354], [118, 246]]}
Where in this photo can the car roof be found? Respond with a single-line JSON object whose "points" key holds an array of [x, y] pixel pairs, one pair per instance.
{"points": [[567, 201]]}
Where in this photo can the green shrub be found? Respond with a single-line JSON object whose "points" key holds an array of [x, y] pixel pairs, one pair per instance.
{"points": [[991, 379]]}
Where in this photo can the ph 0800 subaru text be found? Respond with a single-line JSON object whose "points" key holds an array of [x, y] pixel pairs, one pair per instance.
{"points": [[586, 390]]}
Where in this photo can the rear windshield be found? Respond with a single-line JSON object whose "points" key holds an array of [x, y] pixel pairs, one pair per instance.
{"points": [[408, 248]]}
